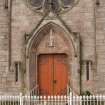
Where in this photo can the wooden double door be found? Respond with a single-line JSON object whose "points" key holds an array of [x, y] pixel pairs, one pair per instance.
{"points": [[52, 74]]}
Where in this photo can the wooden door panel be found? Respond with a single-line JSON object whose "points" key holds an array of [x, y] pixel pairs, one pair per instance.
{"points": [[60, 74], [44, 74]]}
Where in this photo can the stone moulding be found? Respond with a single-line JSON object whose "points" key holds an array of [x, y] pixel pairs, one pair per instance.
{"points": [[35, 40]]}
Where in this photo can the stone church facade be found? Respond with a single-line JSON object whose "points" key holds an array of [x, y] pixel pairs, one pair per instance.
{"points": [[25, 34]]}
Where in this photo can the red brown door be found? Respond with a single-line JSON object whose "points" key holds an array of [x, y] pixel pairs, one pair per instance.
{"points": [[52, 74]]}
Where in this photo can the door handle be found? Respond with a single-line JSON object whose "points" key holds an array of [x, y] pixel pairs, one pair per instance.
{"points": [[54, 81]]}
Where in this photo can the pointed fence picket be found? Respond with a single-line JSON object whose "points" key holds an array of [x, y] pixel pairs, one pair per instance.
{"points": [[52, 100]]}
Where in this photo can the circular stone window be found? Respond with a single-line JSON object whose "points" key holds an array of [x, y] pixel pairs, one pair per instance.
{"points": [[55, 6]]}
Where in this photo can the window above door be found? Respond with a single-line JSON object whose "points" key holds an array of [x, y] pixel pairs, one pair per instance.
{"points": [[56, 6]]}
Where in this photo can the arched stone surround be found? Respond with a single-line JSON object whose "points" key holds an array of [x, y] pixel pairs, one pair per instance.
{"points": [[63, 43]]}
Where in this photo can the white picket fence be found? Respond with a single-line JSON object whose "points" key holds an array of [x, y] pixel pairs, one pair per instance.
{"points": [[52, 100]]}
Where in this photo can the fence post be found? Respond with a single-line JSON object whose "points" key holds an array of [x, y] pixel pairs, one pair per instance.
{"points": [[45, 100], [21, 99], [70, 99], [80, 100]]}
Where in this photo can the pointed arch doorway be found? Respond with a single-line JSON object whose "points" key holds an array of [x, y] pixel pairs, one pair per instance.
{"points": [[50, 53], [52, 74]]}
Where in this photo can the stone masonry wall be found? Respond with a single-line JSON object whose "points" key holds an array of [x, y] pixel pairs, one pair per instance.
{"points": [[3, 46], [80, 19], [100, 41]]}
